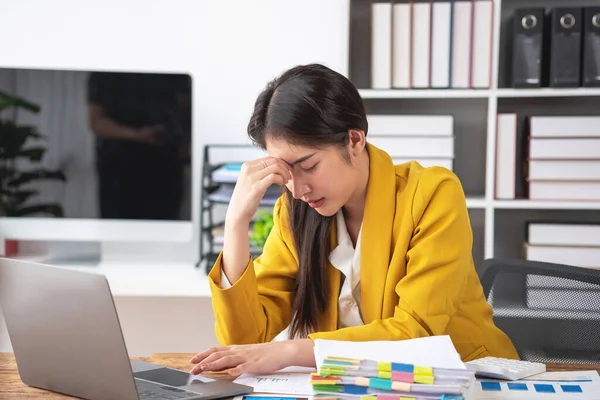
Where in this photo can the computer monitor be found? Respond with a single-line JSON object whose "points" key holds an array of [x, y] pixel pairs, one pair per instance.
{"points": [[95, 155]]}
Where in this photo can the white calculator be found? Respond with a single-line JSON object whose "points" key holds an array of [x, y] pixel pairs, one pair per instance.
{"points": [[504, 368]]}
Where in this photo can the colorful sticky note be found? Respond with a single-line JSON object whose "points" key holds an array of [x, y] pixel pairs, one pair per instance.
{"points": [[517, 386], [490, 386], [544, 388], [403, 377], [403, 367], [571, 388], [384, 366], [384, 374], [426, 379], [428, 371], [384, 384]]}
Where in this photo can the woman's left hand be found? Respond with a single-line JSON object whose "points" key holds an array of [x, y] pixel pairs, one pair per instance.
{"points": [[255, 358]]}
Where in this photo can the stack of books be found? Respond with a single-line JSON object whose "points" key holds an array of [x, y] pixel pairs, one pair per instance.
{"points": [[386, 376]]}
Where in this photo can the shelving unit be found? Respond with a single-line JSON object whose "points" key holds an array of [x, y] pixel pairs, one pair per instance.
{"points": [[498, 225], [213, 210]]}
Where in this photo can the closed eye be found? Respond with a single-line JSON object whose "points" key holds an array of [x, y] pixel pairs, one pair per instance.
{"points": [[311, 168]]}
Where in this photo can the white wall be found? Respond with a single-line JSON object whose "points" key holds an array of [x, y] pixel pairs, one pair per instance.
{"points": [[231, 48]]}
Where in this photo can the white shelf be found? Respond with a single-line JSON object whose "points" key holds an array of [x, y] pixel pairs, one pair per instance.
{"points": [[424, 93], [548, 92], [546, 205], [476, 202]]}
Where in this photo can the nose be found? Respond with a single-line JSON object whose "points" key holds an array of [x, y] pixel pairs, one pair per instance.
{"points": [[297, 187]]}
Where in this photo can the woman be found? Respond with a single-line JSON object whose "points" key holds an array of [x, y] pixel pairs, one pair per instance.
{"points": [[360, 249]]}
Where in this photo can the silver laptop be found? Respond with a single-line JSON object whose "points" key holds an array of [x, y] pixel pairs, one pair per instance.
{"points": [[66, 338]]}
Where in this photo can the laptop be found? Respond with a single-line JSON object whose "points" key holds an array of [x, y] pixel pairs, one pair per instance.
{"points": [[67, 338]]}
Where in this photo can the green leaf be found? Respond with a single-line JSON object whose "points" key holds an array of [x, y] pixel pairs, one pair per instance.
{"points": [[263, 223], [34, 175], [8, 100], [52, 209]]}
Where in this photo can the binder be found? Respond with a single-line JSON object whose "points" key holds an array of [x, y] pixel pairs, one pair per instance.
{"points": [[482, 36], [441, 41], [591, 47], [528, 29], [401, 44], [565, 46], [462, 22], [421, 45], [381, 45]]}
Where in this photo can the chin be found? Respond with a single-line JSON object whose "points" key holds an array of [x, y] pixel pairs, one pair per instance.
{"points": [[327, 211]]}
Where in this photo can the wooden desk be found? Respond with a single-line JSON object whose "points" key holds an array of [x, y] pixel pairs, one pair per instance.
{"points": [[12, 387]]}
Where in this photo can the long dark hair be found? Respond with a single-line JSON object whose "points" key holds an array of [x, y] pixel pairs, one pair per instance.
{"points": [[314, 106]]}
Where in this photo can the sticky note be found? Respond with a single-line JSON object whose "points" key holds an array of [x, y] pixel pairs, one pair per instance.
{"points": [[361, 381], [353, 389], [384, 366], [426, 379], [384, 374], [401, 386], [384, 384], [490, 386], [403, 367], [517, 386], [423, 371], [403, 377], [571, 388], [543, 388]]}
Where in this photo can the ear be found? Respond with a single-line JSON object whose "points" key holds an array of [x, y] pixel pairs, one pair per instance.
{"points": [[356, 142]]}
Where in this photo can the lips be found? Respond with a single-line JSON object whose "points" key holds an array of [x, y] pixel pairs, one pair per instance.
{"points": [[316, 203]]}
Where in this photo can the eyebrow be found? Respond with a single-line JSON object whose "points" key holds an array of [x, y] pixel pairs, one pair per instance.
{"points": [[298, 161]]}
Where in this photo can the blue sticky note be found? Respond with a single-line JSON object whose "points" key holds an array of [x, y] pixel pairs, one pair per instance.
{"points": [[490, 386], [355, 389], [398, 367], [517, 386], [571, 388], [543, 388]]}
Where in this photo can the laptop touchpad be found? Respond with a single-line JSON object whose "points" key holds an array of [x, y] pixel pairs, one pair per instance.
{"points": [[164, 376]]}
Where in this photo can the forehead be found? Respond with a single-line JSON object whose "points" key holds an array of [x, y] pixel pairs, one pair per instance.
{"points": [[289, 152]]}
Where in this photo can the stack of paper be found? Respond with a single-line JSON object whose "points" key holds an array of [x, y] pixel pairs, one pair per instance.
{"points": [[423, 368]]}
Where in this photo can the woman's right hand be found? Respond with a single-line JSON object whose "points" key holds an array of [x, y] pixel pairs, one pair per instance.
{"points": [[254, 180]]}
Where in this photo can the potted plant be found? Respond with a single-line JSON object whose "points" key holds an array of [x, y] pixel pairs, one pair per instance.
{"points": [[15, 196], [263, 222]]}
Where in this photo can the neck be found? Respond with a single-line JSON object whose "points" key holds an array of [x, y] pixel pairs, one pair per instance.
{"points": [[354, 209]]}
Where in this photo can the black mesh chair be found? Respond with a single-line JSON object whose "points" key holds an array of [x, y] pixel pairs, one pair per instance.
{"points": [[551, 312]]}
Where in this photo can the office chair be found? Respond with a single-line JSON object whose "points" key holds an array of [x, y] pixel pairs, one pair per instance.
{"points": [[551, 312]]}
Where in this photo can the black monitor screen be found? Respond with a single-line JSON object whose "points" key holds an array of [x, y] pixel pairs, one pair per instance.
{"points": [[95, 144]]}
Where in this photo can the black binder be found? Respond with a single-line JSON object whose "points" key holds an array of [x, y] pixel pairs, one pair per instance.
{"points": [[565, 46], [591, 47], [528, 41]]}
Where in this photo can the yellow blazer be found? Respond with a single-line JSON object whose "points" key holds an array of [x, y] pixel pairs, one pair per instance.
{"points": [[417, 273]]}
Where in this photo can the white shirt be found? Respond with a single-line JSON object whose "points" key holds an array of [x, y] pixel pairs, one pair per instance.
{"points": [[346, 259]]}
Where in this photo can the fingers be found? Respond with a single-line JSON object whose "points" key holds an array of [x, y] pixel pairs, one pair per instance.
{"points": [[201, 356], [264, 167], [218, 361]]}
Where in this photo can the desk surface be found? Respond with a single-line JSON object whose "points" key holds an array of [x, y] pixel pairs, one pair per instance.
{"points": [[12, 387]]}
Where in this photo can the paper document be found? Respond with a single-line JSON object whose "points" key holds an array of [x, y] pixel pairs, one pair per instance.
{"points": [[576, 385], [434, 351], [291, 381]]}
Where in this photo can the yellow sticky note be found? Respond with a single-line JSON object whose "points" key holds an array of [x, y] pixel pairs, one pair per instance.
{"points": [[427, 379], [423, 371], [385, 374], [384, 366]]}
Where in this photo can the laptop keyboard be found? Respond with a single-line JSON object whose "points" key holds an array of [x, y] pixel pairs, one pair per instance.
{"points": [[150, 391]]}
